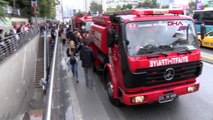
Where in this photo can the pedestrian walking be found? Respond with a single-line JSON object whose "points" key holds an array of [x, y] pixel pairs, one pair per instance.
{"points": [[87, 57], [63, 38], [73, 59]]}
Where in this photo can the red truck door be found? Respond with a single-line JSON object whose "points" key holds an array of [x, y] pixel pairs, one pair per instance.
{"points": [[116, 56]]}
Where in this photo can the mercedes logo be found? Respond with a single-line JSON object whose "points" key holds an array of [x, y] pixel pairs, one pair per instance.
{"points": [[169, 74]]}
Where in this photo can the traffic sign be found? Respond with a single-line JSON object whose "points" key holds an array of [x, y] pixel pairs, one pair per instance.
{"points": [[35, 12], [34, 3]]}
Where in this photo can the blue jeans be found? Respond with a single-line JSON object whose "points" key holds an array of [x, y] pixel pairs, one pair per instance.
{"points": [[74, 68]]}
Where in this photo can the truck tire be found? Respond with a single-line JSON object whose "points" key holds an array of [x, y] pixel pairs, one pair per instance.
{"points": [[26, 116], [114, 101]]}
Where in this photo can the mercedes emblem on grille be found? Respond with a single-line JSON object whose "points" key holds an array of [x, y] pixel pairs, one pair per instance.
{"points": [[169, 74]]}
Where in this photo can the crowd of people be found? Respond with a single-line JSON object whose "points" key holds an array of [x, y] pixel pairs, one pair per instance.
{"points": [[11, 40], [15, 30], [78, 50], [75, 43]]}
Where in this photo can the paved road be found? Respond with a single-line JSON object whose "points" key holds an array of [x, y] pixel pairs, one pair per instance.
{"points": [[207, 50], [94, 104], [82, 103], [207, 55]]}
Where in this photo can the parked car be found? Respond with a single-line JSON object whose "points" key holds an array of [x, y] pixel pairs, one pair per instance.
{"points": [[207, 41]]}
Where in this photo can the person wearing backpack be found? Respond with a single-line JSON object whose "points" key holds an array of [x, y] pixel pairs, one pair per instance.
{"points": [[73, 59]]}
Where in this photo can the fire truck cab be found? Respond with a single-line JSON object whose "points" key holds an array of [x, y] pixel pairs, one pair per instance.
{"points": [[146, 55], [82, 22]]}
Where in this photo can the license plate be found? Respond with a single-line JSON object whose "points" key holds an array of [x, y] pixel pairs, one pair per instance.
{"points": [[167, 98]]}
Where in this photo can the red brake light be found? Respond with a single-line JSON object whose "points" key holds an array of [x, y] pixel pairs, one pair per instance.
{"points": [[156, 11]]}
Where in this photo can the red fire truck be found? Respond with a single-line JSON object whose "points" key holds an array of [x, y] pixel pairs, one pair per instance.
{"points": [[146, 55], [82, 22]]}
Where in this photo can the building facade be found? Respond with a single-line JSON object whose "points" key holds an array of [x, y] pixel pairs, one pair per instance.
{"points": [[166, 2], [114, 3], [209, 3]]}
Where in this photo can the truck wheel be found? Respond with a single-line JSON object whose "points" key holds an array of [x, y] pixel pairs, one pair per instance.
{"points": [[26, 116], [114, 101]]}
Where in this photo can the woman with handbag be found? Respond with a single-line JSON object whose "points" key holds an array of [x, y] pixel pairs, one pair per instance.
{"points": [[73, 59]]}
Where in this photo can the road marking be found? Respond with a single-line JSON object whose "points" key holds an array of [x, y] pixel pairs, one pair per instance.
{"points": [[207, 57], [208, 64]]}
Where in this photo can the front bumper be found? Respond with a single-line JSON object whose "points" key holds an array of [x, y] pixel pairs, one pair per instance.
{"points": [[153, 96]]}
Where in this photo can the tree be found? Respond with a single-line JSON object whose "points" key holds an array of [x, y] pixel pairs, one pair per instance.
{"points": [[94, 7], [148, 4], [165, 6], [110, 9], [192, 6], [46, 8], [118, 8], [2, 15], [127, 7]]}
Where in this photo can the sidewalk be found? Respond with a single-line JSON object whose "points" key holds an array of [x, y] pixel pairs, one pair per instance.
{"points": [[207, 58], [85, 103]]}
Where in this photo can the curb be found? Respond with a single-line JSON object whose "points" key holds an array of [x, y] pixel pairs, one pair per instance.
{"points": [[207, 58]]}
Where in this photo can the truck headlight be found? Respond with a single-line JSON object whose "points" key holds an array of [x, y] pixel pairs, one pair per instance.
{"points": [[137, 99], [192, 88]]}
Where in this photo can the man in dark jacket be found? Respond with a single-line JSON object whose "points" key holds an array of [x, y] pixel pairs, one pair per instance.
{"points": [[71, 36], [87, 57]]}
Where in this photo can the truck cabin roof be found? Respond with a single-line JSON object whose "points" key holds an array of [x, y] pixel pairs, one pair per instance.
{"points": [[86, 18], [139, 15]]}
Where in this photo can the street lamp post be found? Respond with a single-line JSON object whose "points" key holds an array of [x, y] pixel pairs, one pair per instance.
{"points": [[102, 6], [62, 11], [14, 4]]}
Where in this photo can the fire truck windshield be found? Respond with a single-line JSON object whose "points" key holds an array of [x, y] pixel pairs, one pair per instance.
{"points": [[87, 26], [152, 37]]}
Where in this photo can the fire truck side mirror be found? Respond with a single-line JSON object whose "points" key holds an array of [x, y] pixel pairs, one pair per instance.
{"points": [[202, 30], [111, 38]]}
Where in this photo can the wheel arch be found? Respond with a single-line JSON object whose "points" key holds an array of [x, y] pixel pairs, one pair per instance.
{"points": [[108, 69]]}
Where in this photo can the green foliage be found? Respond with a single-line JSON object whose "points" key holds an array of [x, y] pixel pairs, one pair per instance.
{"points": [[127, 7], [94, 7], [148, 4], [206, 5], [192, 5], [165, 6], [46, 8], [2, 15], [118, 8], [110, 9]]}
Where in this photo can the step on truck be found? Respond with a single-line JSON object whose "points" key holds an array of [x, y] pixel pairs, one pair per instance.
{"points": [[146, 55]]}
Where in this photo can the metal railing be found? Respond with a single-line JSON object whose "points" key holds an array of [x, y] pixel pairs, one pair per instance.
{"points": [[11, 44], [45, 78], [48, 109]]}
